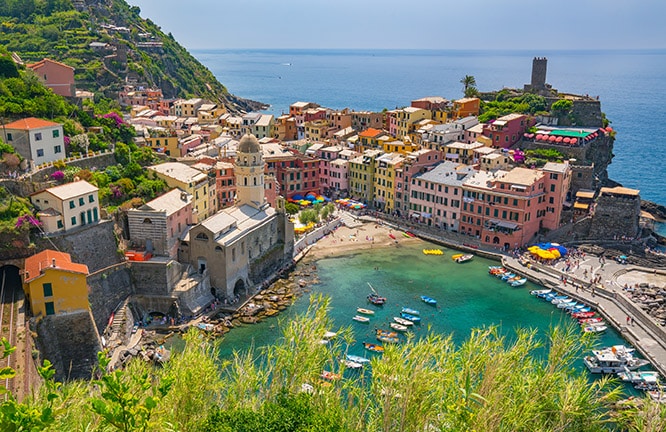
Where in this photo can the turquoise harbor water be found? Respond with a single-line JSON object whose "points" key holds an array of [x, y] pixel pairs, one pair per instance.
{"points": [[467, 298]]}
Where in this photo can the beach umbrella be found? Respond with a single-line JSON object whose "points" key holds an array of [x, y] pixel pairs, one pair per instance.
{"points": [[297, 197], [566, 140], [559, 139], [555, 252], [574, 141], [539, 137], [533, 248]]}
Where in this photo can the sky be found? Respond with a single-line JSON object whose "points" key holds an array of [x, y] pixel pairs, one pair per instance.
{"points": [[424, 24]]}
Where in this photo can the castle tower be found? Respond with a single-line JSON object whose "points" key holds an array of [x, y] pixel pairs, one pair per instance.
{"points": [[249, 170], [539, 66]]}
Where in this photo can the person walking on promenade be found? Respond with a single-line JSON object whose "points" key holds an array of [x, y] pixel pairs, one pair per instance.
{"points": [[628, 320]]}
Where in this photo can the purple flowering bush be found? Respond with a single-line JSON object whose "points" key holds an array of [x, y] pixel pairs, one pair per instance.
{"points": [[115, 117], [27, 219], [58, 176]]}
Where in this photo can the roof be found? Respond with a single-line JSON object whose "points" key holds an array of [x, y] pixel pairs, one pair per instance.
{"points": [[169, 202], [42, 62], [432, 99], [447, 173], [485, 150], [585, 194], [30, 123], [510, 117], [371, 132], [230, 224], [619, 190], [70, 190], [461, 145], [179, 171], [465, 100], [555, 167], [522, 176], [38, 263], [483, 179]]}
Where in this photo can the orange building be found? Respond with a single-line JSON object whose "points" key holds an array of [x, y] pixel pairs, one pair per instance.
{"points": [[466, 107], [55, 75]]}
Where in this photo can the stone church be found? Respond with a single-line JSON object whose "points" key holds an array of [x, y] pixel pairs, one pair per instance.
{"points": [[238, 247]]}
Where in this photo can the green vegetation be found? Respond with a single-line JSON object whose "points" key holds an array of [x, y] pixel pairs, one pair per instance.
{"points": [[539, 157], [469, 86], [503, 104], [488, 383], [53, 28], [13, 207]]}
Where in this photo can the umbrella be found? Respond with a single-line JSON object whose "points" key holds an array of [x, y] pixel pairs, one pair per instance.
{"points": [[574, 140], [539, 136], [297, 197], [566, 140]]}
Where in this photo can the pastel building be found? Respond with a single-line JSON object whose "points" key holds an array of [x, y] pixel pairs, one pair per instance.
{"points": [[461, 152], [466, 107], [68, 206], [415, 163], [437, 105], [192, 181], [37, 140], [362, 120], [55, 75], [436, 195], [361, 175], [386, 167], [53, 284], [225, 184], [507, 130], [157, 225], [402, 122]]}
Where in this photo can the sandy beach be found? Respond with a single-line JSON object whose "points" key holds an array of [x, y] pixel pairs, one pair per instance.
{"points": [[345, 240]]}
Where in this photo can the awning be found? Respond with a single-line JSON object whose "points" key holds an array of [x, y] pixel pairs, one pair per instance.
{"points": [[581, 206], [508, 225]]}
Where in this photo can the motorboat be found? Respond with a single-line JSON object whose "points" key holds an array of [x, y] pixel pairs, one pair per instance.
{"points": [[590, 320], [638, 377], [380, 332], [398, 327], [403, 321], [560, 299], [541, 291], [410, 311], [352, 364], [519, 282], [376, 299], [463, 258], [429, 300], [388, 339], [595, 328], [412, 318], [506, 276], [357, 359], [361, 319], [373, 347], [612, 360], [566, 304], [365, 311], [588, 314]]}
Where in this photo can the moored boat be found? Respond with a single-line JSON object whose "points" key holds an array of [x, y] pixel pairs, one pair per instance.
{"points": [[464, 258], [590, 320], [588, 314], [352, 364], [388, 339], [365, 311], [636, 377], [380, 332], [373, 347], [412, 318], [595, 328], [331, 376], [429, 300], [519, 282], [357, 359], [398, 327], [612, 360], [376, 299], [410, 311], [361, 319], [403, 321], [542, 291]]}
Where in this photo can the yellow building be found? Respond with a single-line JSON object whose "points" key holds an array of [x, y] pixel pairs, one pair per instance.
{"points": [[164, 144], [398, 146], [386, 167], [192, 181], [407, 119], [53, 284], [316, 131], [361, 175], [466, 107]]}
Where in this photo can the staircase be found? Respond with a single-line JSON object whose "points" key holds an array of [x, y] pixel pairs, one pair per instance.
{"points": [[118, 320], [349, 220]]}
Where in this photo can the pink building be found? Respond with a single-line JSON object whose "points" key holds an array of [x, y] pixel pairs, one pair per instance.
{"points": [[188, 143], [225, 182], [436, 195], [415, 163], [507, 130], [55, 75]]}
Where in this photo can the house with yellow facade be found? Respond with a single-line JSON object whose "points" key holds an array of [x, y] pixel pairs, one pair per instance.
{"points": [[164, 142], [399, 146], [370, 139], [386, 167], [402, 122], [53, 284], [192, 181], [361, 175], [466, 107]]}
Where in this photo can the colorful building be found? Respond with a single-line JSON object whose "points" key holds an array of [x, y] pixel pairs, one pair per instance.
{"points": [[437, 105], [225, 184], [361, 175], [386, 167], [53, 284], [68, 206], [415, 163], [192, 181], [55, 75], [461, 152], [507, 130], [466, 107], [403, 122], [37, 140]]}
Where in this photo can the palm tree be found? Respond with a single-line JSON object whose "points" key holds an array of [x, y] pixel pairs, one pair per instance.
{"points": [[468, 81]]}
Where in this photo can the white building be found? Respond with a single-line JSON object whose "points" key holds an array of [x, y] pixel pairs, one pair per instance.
{"points": [[37, 140], [62, 208]]}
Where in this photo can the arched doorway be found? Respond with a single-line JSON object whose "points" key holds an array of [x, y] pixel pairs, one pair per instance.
{"points": [[239, 288]]}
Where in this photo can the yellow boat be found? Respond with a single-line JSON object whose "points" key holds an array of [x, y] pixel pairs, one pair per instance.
{"points": [[433, 252], [456, 256]]}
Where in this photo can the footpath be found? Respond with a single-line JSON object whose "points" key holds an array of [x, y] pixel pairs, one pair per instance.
{"points": [[607, 297]]}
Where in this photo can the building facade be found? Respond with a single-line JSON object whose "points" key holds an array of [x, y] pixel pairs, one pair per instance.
{"points": [[68, 206], [39, 141]]}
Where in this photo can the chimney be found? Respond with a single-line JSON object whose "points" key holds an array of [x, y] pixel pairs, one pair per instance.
{"points": [[183, 196], [53, 262]]}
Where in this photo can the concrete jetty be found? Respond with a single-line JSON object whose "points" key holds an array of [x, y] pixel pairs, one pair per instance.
{"points": [[607, 297]]}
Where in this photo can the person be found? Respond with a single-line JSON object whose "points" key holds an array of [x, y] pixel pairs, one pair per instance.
{"points": [[628, 320], [632, 320]]}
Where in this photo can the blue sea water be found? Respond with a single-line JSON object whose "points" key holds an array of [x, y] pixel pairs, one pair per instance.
{"points": [[630, 84]]}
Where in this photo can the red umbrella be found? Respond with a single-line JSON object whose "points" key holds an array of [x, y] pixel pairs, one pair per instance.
{"points": [[566, 140], [574, 141], [609, 129], [552, 138], [539, 136], [559, 139]]}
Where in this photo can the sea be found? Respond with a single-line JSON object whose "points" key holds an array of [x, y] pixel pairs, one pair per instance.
{"points": [[630, 84]]}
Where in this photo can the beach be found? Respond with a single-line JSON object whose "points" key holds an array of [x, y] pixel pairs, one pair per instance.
{"points": [[345, 240]]}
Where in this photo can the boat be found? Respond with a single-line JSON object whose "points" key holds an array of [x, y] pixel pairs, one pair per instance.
{"points": [[365, 311], [595, 328], [403, 321], [373, 347], [590, 320], [560, 299], [464, 258], [588, 314], [412, 318], [410, 234], [376, 300], [327, 337], [406, 235], [519, 282], [331, 376], [541, 291], [387, 333], [658, 395], [392, 236], [388, 339], [506, 276], [433, 252], [638, 377], [456, 256], [361, 319], [566, 304], [352, 364], [429, 300], [357, 359], [612, 360], [398, 327], [410, 311]]}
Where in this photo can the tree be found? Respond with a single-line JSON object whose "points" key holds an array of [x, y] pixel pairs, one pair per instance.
{"points": [[562, 107], [291, 208], [468, 81]]}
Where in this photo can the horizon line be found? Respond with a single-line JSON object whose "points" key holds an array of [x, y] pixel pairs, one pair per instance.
{"points": [[437, 49]]}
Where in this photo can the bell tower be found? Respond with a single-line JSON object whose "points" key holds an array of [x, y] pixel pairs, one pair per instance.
{"points": [[249, 171]]}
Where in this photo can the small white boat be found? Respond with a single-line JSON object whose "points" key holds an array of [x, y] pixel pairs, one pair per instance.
{"points": [[637, 377], [352, 364], [595, 328], [398, 327], [357, 359], [365, 311], [410, 311], [617, 358], [464, 258], [403, 321], [519, 282], [361, 319], [541, 291]]}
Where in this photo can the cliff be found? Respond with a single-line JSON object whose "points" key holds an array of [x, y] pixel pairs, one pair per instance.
{"points": [[109, 45]]}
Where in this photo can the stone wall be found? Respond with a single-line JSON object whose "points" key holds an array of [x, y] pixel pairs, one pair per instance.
{"points": [[70, 342], [587, 113], [615, 216], [108, 288], [155, 278], [582, 177]]}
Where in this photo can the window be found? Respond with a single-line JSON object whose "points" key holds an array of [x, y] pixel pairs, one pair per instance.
{"points": [[9, 138], [40, 152], [50, 308], [81, 201], [57, 149], [38, 136], [59, 224], [56, 133], [71, 204], [48, 289], [73, 220], [91, 198], [552, 188]]}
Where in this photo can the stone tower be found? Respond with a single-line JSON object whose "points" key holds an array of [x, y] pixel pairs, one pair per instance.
{"points": [[539, 66], [249, 170]]}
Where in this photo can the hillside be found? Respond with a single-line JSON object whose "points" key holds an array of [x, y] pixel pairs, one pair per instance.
{"points": [[125, 48]]}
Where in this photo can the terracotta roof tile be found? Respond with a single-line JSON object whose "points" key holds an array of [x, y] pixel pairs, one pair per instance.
{"points": [[35, 264], [30, 123]]}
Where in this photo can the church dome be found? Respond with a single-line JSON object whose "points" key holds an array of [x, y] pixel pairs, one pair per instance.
{"points": [[249, 144]]}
